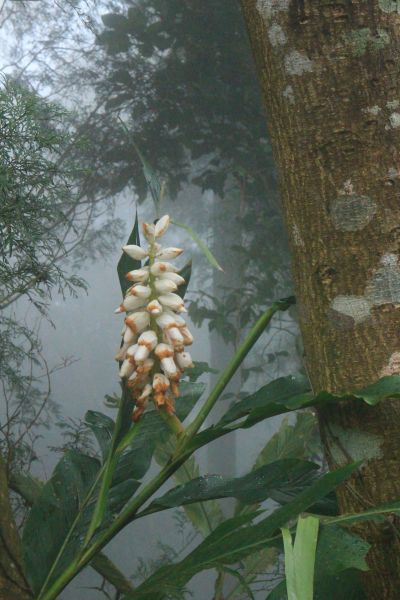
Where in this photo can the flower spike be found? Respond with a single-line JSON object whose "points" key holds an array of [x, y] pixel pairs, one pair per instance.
{"points": [[153, 352]]}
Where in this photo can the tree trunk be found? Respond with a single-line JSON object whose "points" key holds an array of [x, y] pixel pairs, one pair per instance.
{"points": [[329, 72], [13, 585]]}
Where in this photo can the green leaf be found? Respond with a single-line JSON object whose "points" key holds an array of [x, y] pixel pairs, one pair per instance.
{"points": [[106, 568], [340, 557], [126, 263], [339, 550], [235, 539], [198, 370], [203, 247], [288, 393], [186, 273], [291, 441], [26, 486], [300, 558], [252, 488], [30, 489], [102, 427], [375, 513], [386, 387], [53, 513]]}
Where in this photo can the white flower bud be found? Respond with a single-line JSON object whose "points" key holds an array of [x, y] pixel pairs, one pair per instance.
{"points": [[173, 301], [163, 351], [146, 343], [147, 390], [161, 226], [138, 321], [138, 275], [148, 231], [178, 279], [130, 303], [129, 336], [145, 367], [174, 336], [122, 352], [154, 307], [187, 336], [166, 320], [148, 339], [180, 321], [130, 353], [165, 285], [162, 267], [169, 367], [140, 291], [169, 253], [183, 360], [160, 382], [127, 368], [135, 252], [141, 354]]}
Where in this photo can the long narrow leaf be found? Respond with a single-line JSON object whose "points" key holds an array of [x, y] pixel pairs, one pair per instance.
{"points": [[203, 247], [300, 558]]}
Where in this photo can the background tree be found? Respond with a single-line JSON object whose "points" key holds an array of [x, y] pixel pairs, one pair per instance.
{"points": [[329, 73]]}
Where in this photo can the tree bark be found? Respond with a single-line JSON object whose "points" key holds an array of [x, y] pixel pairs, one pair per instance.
{"points": [[13, 585], [329, 71]]}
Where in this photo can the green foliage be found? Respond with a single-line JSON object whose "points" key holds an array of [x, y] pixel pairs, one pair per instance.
{"points": [[300, 558], [255, 487], [54, 512], [235, 539], [340, 557]]}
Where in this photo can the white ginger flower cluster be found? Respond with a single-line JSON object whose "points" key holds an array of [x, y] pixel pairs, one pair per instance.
{"points": [[154, 335]]}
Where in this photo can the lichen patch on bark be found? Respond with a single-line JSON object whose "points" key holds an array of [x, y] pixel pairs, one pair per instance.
{"points": [[268, 8], [393, 366], [389, 6], [362, 40], [276, 35], [348, 445], [356, 307], [297, 63], [394, 120], [384, 285], [288, 93], [351, 212]]}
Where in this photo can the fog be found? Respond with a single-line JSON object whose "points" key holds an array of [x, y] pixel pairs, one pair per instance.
{"points": [[85, 330]]}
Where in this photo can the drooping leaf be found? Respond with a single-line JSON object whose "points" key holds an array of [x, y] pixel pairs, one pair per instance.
{"points": [[126, 263], [289, 393], [203, 247], [250, 489], [102, 427], [286, 395], [53, 513]]}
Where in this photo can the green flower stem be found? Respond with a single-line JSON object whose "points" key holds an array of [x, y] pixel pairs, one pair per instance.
{"points": [[183, 453], [110, 465], [231, 369]]}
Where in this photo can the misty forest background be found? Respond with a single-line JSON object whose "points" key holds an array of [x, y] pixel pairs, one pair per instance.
{"points": [[180, 76]]}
